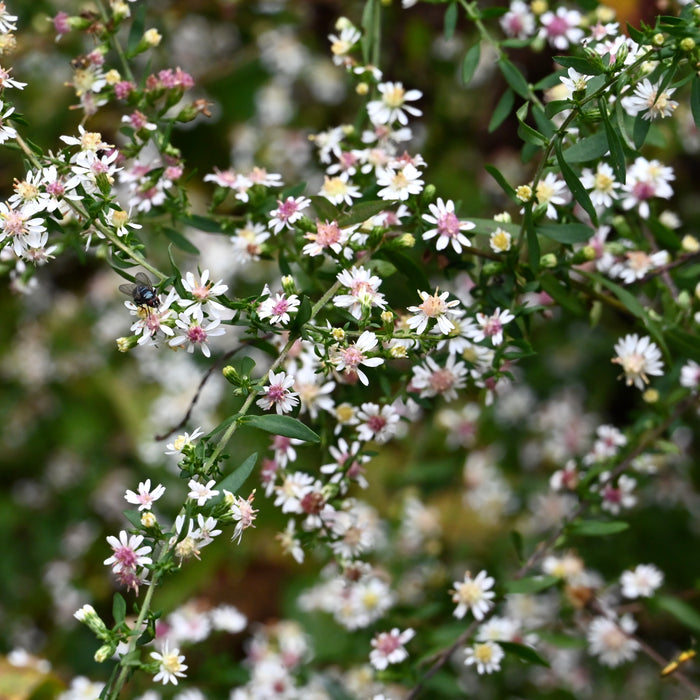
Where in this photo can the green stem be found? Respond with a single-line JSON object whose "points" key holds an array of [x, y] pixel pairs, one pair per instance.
{"points": [[115, 44]]}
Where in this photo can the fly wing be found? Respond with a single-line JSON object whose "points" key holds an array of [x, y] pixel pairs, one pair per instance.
{"points": [[142, 278], [128, 289]]}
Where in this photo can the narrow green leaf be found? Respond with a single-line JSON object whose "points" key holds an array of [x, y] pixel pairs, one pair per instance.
{"points": [[530, 135], [566, 233], [496, 174], [533, 244], [561, 294], [180, 241], [640, 131], [517, 539], [544, 123], [695, 100], [514, 77], [324, 209], [362, 211], [617, 152], [525, 653], [450, 20], [282, 425], [588, 148], [532, 584], [556, 106], [138, 26], [302, 316], [582, 65], [597, 528], [237, 477], [202, 223], [470, 62], [408, 267], [134, 517], [577, 189], [118, 608], [502, 110], [682, 611]]}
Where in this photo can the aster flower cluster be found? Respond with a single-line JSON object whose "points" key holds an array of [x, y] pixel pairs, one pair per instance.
{"points": [[352, 343]]}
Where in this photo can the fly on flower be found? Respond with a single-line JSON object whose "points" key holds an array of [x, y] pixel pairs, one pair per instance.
{"points": [[142, 292]]}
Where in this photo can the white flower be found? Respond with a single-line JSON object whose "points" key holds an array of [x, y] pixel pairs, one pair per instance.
{"points": [[193, 332], [562, 28], [646, 99], [638, 357], [436, 307], [278, 307], [641, 582], [432, 380], [486, 656], [610, 640], [448, 227], [350, 359], [602, 185], [690, 375], [202, 492], [171, 667], [574, 81], [551, 191], [399, 184], [473, 594], [377, 423], [518, 22], [392, 107], [145, 497], [646, 179], [339, 190], [278, 393], [388, 647], [491, 326], [363, 286]]}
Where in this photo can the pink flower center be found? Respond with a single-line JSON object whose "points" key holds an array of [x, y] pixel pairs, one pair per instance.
{"points": [[376, 423], [352, 356], [612, 495], [492, 326], [126, 557], [328, 234], [287, 208], [441, 380], [387, 643], [644, 190], [14, 224], [448, 224], [196, 334], [280, 307], [557, 27], [276, 392]]}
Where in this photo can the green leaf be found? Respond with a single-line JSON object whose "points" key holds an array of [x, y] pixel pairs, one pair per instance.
{"points": [[470, 62], [532, 584], [450, 20], [514, 78], [533, 244], [118, 608], [408, 267], [687, 343], [640, 131], [324, 209], [588, 148], [517, 539], [237, 477], [524, 652], [617, 152], [362, 211], [282, 425], [561, 294], [531, 136], [134, 517], [577, 189], [695, 100], [566, 233], [582, 65], [180, 241], [502, 110], [682, 611], [597, 528], [138, 26], [203, 223], [302, 316], [495, 173], [556, 106]]}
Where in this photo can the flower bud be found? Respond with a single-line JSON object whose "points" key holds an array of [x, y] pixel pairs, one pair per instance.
{"points": [[231, 375], [338, 334], [690, 244], [406, 240], [687, 44], [89, 617], [548, 260], [105, 652], [362, 88], [288, 285], [398, 352], [650, 396], [124, 344], [658, 39], [585, 254], [523, 193], [148, 519]]}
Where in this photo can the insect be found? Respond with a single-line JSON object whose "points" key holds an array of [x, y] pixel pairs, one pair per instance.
{"points": [[142, 292], [680, 659]]}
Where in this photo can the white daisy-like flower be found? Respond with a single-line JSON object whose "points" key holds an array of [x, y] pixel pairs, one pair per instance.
{"points": [[473, 594], [610, 640], [278, 393], [145, 497], [491, 326], [641, 582], [363, 294], [639, 358], [350, 359], [399, 184], [486, 656], [278, 307], [171, 666], [388, 647], [392, 106], [434, 306], [448, 228], [339, 190], [551, 192], [602, 185], [202, 492], [690, 375], [647, 100]]}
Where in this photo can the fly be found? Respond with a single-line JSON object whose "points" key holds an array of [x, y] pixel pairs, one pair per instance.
{"points": [[142, 292]]}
